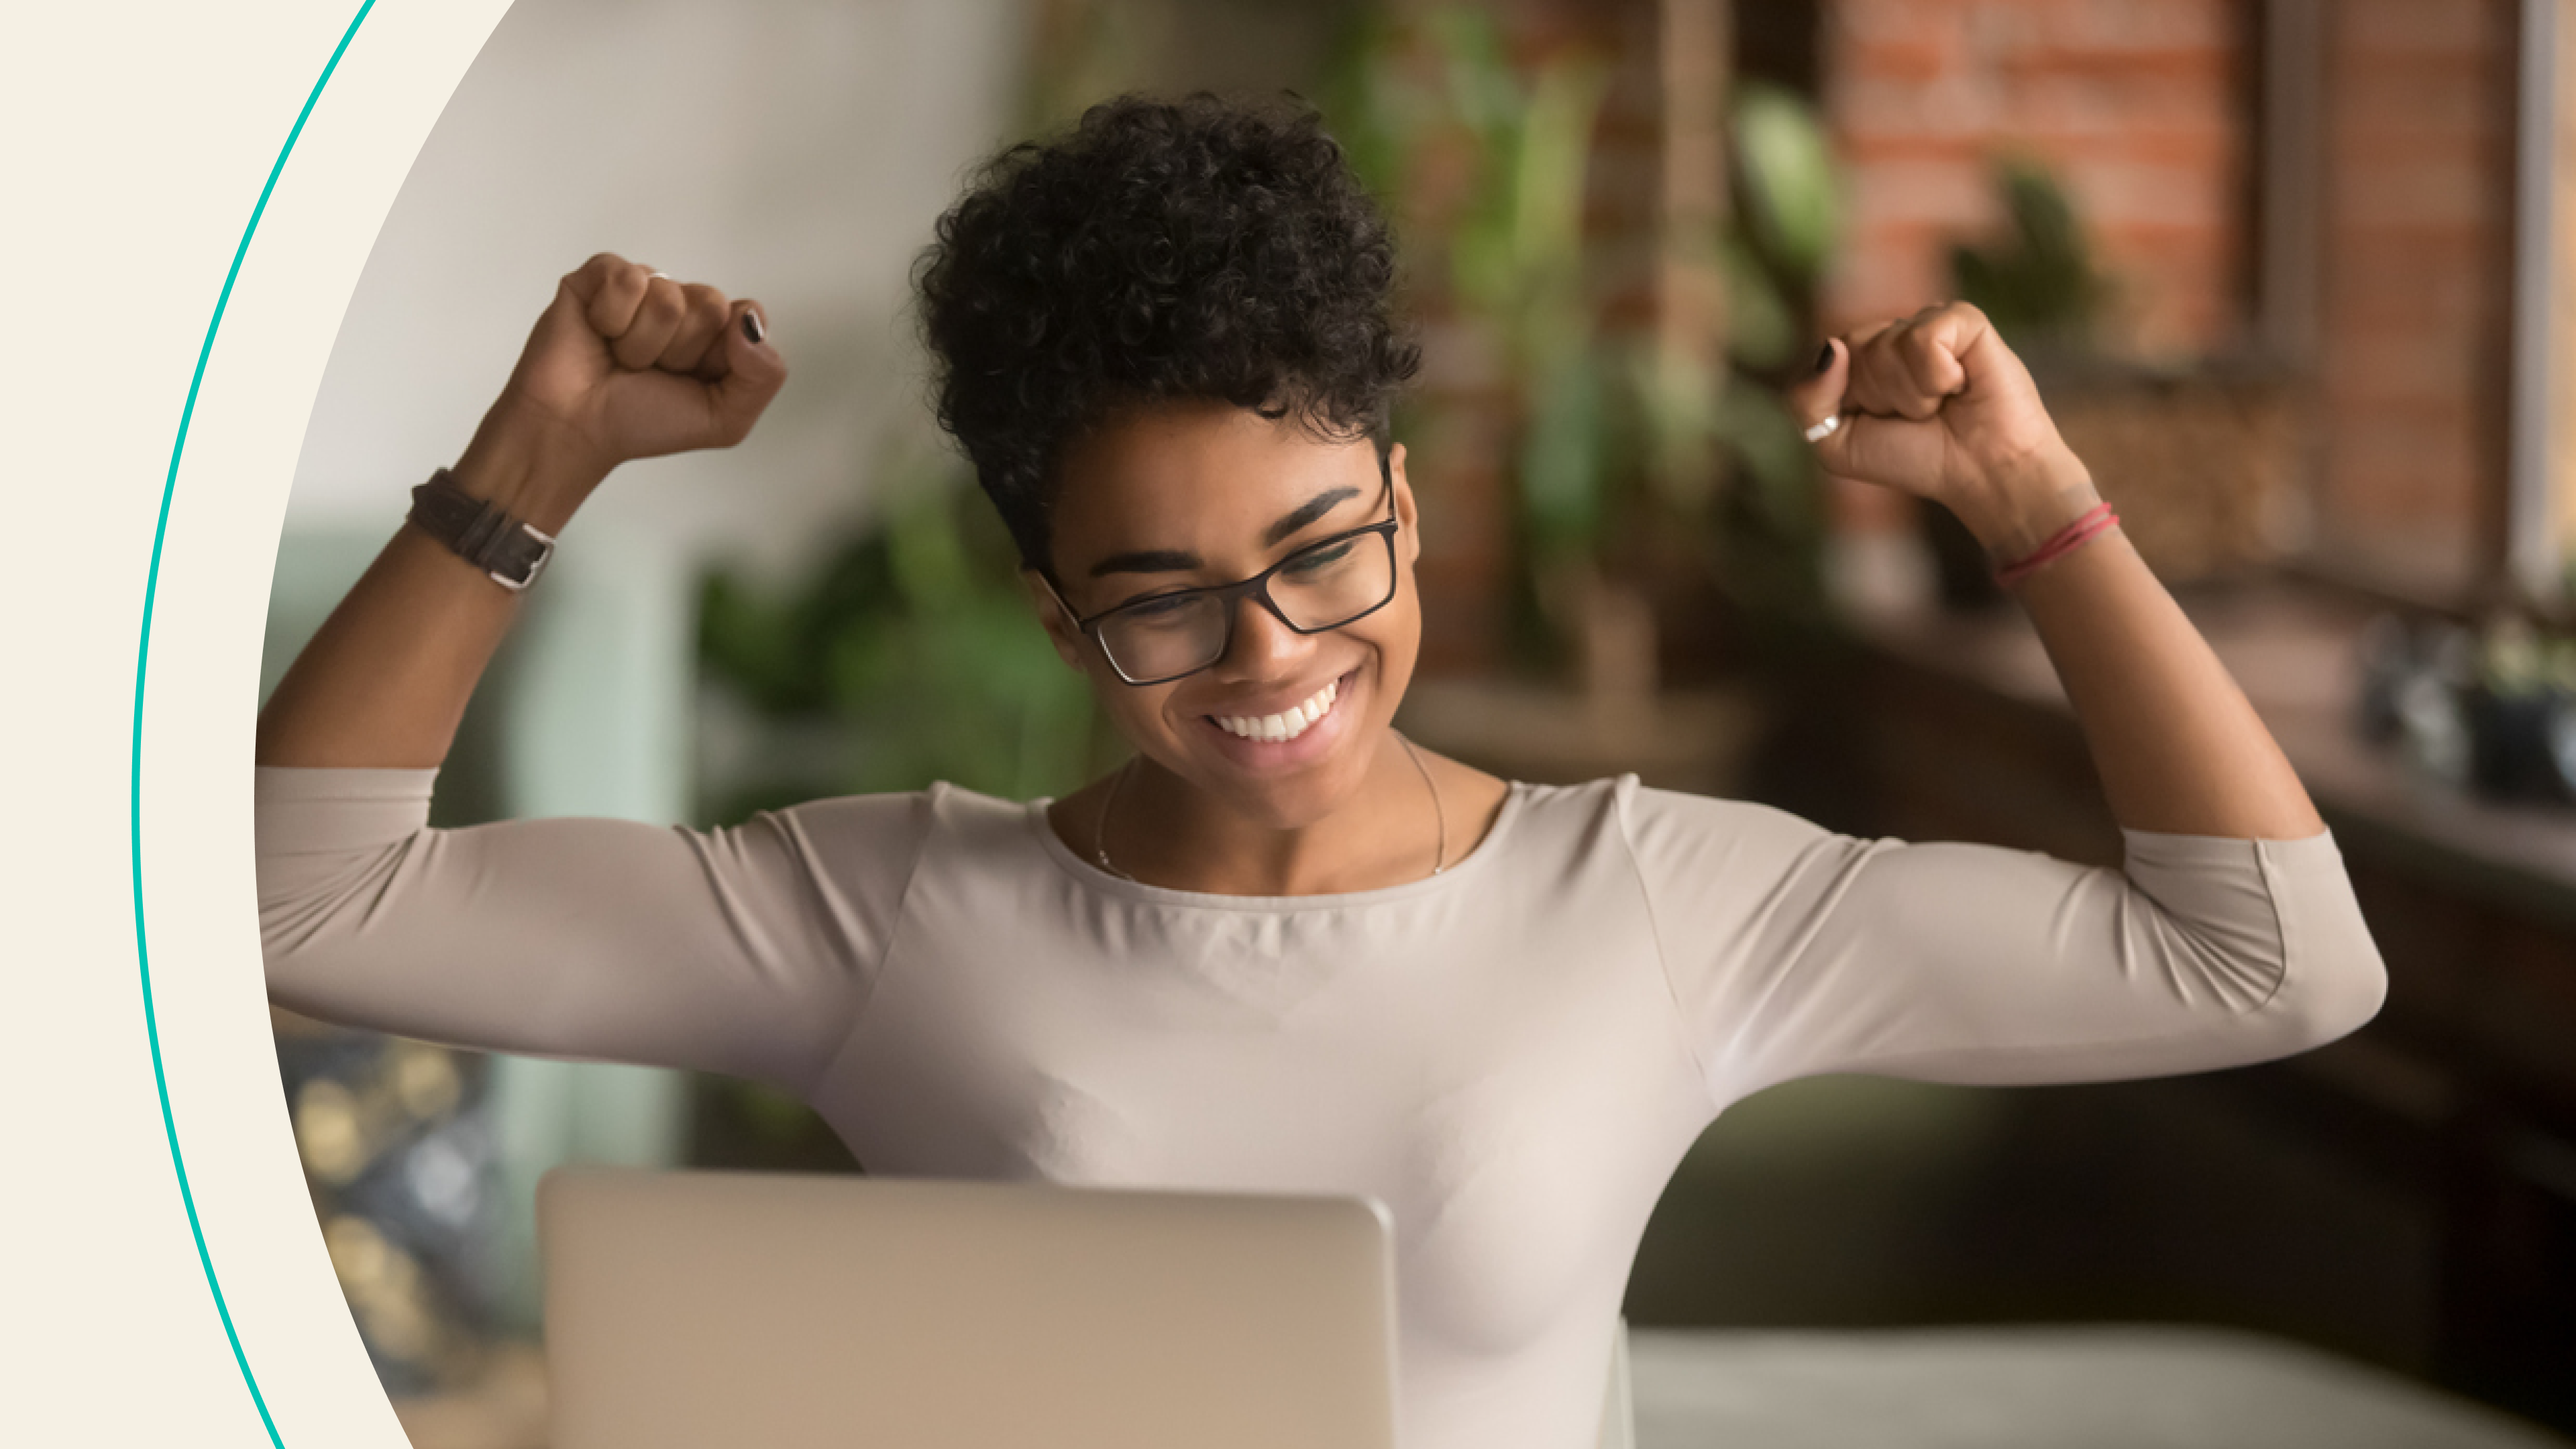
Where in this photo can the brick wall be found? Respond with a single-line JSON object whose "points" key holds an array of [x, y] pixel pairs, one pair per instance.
{"points": [[2138, 105], [2148, 112], [2414, 285]]}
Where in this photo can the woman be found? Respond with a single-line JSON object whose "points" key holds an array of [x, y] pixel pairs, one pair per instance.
{"points": [[1283, 948]]}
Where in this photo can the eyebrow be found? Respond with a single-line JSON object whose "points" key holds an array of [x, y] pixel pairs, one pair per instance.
{"points": [[1166, 560]]}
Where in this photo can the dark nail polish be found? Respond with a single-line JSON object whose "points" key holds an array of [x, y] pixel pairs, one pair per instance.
{"points": [[751, 325], [1825, 358]]}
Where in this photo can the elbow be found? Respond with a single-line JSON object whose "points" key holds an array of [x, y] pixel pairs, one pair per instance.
{"points": [[309, 963], [309, 908], [2331, 979], [2271, 928], [2355, 988], [283, 948], [329, 846], [2332, 987]]}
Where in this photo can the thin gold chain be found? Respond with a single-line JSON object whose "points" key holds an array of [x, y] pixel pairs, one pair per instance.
{"points": [[1439, 812], [1100, 831]]}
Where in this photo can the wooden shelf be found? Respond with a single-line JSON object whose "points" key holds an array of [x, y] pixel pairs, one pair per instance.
{"points": [[2294, 652]]}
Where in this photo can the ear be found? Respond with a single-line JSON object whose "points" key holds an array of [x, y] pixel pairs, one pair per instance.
{"points": [[1052, 618], [1410, 531]]}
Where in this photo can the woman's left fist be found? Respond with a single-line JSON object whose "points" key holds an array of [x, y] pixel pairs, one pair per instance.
{"points": [[1937, 406]]}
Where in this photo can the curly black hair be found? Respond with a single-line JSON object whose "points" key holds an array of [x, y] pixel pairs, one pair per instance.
{"points": [[1160, 250]]}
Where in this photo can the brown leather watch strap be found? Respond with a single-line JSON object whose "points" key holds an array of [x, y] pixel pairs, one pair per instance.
{"points": [[512, 551]]}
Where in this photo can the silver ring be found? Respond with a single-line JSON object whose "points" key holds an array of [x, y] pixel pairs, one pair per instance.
{"points": [[1825, 429], [665, 276]]}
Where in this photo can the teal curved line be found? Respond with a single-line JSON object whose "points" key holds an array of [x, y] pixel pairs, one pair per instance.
{"points": [[142, 658]]}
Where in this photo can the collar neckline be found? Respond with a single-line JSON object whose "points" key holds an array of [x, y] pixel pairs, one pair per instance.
{"points": [[1090, 875]]}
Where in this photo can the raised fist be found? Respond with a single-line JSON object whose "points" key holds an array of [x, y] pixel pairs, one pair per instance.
{"points": [[1937, 406], [628, 363]]}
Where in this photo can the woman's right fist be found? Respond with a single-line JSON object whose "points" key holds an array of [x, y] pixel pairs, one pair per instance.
{"points": [[628, 363]]}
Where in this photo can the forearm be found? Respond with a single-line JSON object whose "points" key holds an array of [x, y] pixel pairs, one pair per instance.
{"points": [[385, 681], [2177, 745]]}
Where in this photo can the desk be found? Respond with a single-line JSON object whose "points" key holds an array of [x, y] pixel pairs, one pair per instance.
{"points": [[2103, 1386]]}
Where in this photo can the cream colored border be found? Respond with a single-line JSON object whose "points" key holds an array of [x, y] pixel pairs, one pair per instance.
{"points": [[140, 138]]}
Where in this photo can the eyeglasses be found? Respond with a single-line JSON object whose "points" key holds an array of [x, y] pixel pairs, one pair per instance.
{"points": [[1325, 585]]}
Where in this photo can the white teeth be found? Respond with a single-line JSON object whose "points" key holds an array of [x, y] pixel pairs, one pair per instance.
{"points": [[1287, 724]]}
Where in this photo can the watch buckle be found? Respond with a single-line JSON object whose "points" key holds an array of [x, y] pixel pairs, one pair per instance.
{"points": [[535, 565]]}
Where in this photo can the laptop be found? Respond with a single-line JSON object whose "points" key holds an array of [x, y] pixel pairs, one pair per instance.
{"points": [[796, 1310]]}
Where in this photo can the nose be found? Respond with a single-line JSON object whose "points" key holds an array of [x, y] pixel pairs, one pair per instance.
{"points": [[1263, 646]]}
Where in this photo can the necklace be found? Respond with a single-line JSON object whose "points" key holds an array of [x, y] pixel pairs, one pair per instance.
{"points": [[1439, 814]]}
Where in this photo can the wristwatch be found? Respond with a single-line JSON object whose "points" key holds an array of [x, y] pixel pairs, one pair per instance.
{"points": [[509, 549]]}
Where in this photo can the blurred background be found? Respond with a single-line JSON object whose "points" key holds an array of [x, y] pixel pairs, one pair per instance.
{"points": [[2298, 279]]}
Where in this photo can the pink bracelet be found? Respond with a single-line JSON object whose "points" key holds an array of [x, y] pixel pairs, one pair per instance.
{"points": [[2066, 540]]}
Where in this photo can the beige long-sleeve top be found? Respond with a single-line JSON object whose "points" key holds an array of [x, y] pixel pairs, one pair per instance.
{"points": [[1512, 1055]]}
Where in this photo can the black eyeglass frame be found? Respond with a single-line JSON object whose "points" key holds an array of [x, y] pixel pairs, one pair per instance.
{"points": [[1256, 587]]}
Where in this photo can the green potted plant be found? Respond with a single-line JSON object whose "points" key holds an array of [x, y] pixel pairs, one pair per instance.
{"points": [[1623, 458]]}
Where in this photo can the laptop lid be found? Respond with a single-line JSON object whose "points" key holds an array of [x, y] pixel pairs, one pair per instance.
{"points": [[794, 1310]]}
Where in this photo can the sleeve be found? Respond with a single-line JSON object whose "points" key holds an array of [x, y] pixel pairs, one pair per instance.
{"points": [[746, 950], [1792, 950]]}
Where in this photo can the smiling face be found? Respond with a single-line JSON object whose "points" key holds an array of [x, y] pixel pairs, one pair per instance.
{"points": [[1187, 495]]}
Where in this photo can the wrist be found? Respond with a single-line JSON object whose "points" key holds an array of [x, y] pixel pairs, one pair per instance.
{"points": [[2029, 504], [526, 471]]}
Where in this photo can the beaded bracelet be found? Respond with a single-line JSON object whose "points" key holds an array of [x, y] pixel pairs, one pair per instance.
{"points": [[2066, 540]]}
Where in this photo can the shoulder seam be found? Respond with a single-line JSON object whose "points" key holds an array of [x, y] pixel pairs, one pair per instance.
{"points": [[926, 807], [1620, 791]]}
